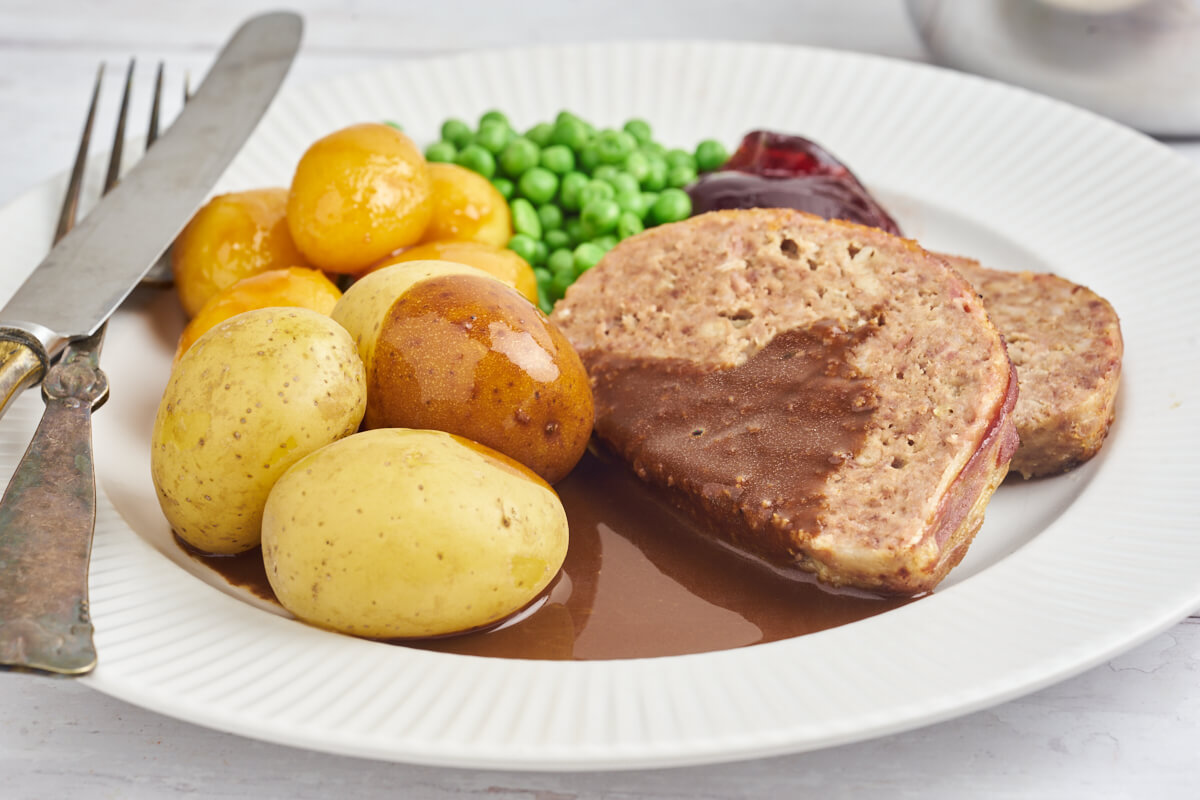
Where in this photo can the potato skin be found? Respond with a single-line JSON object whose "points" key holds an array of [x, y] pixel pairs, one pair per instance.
{"points": [[232, 237], [471, 356], [499, 262], [251, 397], [294, 286], [405, 533], [467, 207], [358, 195]]}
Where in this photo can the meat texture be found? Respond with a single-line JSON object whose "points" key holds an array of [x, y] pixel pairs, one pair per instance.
{"points": [[817, 394]]}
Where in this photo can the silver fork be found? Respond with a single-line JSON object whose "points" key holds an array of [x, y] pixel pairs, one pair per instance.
{"points": [[51, 501]]}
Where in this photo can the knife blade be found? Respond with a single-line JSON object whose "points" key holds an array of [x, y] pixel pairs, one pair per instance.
{"points": [[95, 267]]}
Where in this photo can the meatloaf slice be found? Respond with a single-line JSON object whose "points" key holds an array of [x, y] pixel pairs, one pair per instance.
{"points": [[1065, 341], [818, 394]]}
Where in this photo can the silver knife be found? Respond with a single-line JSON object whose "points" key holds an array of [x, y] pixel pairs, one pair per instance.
{"points": [[95, 267], [48, 512]]}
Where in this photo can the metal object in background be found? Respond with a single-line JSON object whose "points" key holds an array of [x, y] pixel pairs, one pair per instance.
{"points": [[1137, 61]]}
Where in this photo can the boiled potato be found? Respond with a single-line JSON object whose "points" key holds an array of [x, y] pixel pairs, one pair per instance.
{"points": [[498, 262], [358, 195], [403, 533], [295, 286], [467, 207], [232, 237], [464, 353], [252, 397]]}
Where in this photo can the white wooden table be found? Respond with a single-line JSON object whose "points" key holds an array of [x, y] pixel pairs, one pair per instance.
{"points": [[1130, 727]]}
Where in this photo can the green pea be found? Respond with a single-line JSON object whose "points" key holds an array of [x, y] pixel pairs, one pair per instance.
{"points": [[477, 159], [572, 185], [525, 219], [605, 243], [504, 186], [519, 155], [573, 227], [587, 255], [596, 190], [391, 123], [544, 302], [680, 176], [604, 172], [629, 224], [441, 152], [631, 201], [614, 147], [599, 217], [653, 149], [624, 182], [589, 157], [710, 155], [540, 252], [524, 246], [637, 164], [570, 133], [557, 238], [494, 116], [677, 157], [551, 217], [457, 132], [566, 115], [561, 260], [648, 199], [639, 129], [540, 134], [656, 175], [543, 274], [539, 185], [493, 136], [672, 205], [561, 282], [558, 158]]}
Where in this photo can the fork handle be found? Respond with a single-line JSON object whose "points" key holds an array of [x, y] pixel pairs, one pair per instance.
{"points": [[47, 518]]}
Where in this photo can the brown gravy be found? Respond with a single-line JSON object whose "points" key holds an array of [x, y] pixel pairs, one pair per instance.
{"points": [[638, 582]]}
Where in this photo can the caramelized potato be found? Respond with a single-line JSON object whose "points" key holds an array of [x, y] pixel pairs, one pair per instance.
{"points": [[358, 195], [466, 207], [460, 352], [232, 237], [295, 286], [500, 263]]}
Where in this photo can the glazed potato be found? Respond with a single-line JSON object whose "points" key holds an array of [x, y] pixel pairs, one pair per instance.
{"points": [[252, 397], [463, 353], [467, 207], [498, 262], [295, 286], [358, 195], [434, 535], [232, 237]]}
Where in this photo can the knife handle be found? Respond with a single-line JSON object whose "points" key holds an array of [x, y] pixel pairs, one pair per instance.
{"points": [[22, 364], [47, 518]]}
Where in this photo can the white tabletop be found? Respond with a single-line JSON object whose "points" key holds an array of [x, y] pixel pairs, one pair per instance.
{"points": [[1129, 726]]}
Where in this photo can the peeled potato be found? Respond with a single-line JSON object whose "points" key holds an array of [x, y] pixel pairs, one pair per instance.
{"points": [[404, 533], [358, 195], [467, 207], [252, 397], [295, 286], [498, 262], [232, 237]]}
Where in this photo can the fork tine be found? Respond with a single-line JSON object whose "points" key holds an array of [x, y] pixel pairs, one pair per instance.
{"points": [[114, 160], [155, 103], [66, 218]]}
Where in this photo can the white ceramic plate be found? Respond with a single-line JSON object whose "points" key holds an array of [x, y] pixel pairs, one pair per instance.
{"points": [[1065, 573]]}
